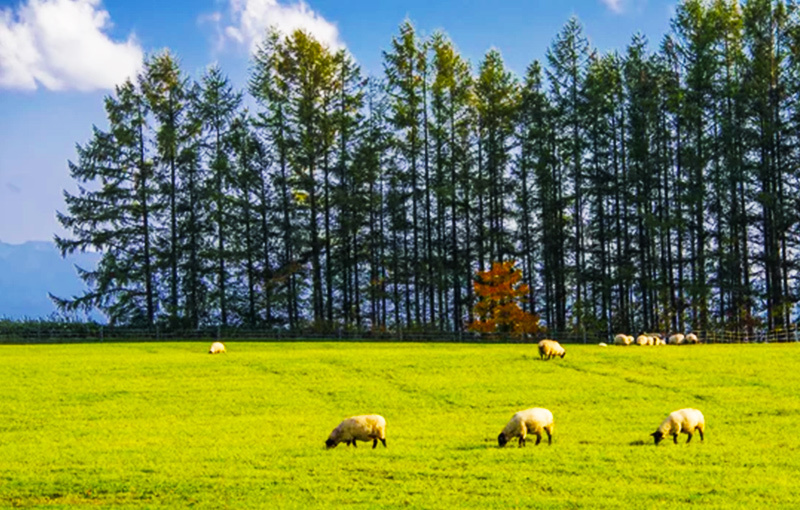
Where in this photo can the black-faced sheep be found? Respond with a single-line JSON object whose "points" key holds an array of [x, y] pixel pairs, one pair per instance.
{"points": [[691, 338], [216, 348], [361, 428], [529, 421], [676, 339], [621, 339], [550, 348], [683, 421]]}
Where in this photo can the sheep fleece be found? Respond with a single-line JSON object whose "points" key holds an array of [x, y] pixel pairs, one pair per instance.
{"points": [[682, 421], [362, 428], [530, 421], [550, 348]]}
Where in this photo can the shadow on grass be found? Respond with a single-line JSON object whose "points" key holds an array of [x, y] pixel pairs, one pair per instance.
{"points": [[477, 447], [638, 442]]}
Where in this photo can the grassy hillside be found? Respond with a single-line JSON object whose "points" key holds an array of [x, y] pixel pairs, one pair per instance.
{"points": [[141, 425]]}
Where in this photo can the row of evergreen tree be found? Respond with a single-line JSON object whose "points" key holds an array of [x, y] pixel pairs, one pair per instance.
{"points": [[648, 190]]}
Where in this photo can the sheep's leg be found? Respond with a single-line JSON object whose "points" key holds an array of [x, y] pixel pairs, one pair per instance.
{"points": [[384, 442], [354, 443], [675, 438], [690, 436], [549, 437], [538, 438], [699, 430], [347, 443], [521, 441], [374, 443]]}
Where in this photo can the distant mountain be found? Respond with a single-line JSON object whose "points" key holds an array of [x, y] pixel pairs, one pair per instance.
{"points": [[29, 271]]}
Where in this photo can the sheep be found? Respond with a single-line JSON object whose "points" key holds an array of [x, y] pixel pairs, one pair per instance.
{"points": [[685, 421], [602, 344], [656, 340], [643, 340], [691, 338], [676, 339], [550, 348], [216, 348], [362, 428], [621, 339], [532, 421]]}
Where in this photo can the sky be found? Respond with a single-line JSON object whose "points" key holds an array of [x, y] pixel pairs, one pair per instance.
{"points": [[60, 58]]}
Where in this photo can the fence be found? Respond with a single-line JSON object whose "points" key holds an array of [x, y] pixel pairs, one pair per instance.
{"points": [[32, 332]]}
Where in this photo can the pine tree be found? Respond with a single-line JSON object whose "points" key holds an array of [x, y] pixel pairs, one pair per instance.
{"points": [[217, 108], [113, 213]]}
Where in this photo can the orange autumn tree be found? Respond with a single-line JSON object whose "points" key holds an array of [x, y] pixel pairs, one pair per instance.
{"points": [[501, 291]]}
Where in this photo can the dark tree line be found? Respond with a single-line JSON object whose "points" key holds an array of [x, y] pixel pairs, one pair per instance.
{"points": [[648, 189]]}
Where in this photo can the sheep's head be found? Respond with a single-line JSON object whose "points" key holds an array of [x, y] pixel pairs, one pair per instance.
{"points": [[330, 443], [501, 439], [658, 436], [563, 354]]}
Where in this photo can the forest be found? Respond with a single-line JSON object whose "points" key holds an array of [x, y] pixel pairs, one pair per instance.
{"points": [[650, 188]]}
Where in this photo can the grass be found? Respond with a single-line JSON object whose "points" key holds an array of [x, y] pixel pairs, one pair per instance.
{"points": [[164, 424]]}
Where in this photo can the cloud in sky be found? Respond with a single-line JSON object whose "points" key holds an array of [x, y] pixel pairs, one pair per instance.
{"points": [[614, 5], [61, 45], [251, 18]]}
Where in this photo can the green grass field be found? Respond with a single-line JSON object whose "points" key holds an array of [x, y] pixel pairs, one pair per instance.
{"points": [[165, 424]]}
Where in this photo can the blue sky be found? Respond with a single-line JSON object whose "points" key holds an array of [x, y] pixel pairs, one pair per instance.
{"points": [[59, 58]]}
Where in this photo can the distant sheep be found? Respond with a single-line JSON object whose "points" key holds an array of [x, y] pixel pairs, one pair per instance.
{"points": [[216, 348], [602, 344], [550, 348], [676, 339], [656, 340], [644, 340], [361, 428], [683, 421], [529, 421], [691, 338], [621, 339]]}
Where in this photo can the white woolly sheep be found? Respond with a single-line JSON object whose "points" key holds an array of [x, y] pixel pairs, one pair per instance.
{"points": [[683, 421], [216, 348], [643, 340], [656, 340], [691, 338], [676, 339], [621, 339], [602, 344], [529, 421], [550, 348], [361, 428]]}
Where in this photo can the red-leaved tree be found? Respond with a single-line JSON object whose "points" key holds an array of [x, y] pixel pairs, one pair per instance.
{"points": [[500, 291]]}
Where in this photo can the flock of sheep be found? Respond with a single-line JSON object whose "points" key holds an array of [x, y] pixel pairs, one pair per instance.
{"points": [[372, 427], [655, 339]]}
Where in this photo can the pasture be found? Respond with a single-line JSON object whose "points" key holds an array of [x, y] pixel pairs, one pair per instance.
{"points": [[138, 425]]}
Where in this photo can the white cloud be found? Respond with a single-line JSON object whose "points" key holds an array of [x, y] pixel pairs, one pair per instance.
{"points": [[62, 44], [614, 5], [250, 20]]}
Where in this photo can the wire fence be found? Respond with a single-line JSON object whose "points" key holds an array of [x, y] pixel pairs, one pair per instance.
{"points": [[33, 332]]}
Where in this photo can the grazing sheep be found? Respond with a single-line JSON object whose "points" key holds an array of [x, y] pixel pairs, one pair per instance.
{"points": [[656, 340], [644, 340], [691, 338], [550, 348], [529, 421], [602, 344], [362, 428], [676, 339], [621, 339], [683, 421], [216, 348]]}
